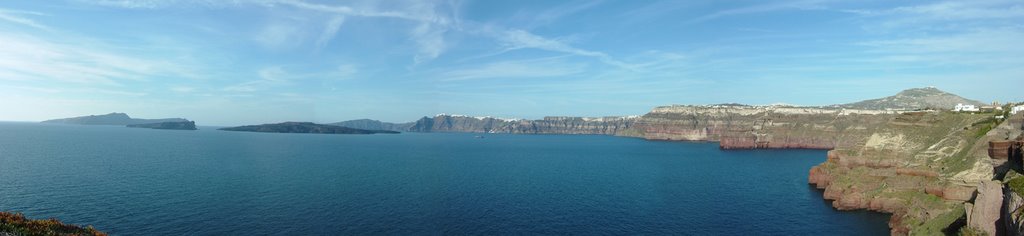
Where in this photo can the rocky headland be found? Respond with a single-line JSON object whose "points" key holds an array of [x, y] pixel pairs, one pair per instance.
{"points": [[305, 127], [182, 125]]}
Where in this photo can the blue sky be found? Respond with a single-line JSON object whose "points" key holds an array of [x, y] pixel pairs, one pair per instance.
{"points": [[224, 62]]}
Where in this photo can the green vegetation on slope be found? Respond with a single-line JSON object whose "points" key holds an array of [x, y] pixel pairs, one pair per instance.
{"points": [[17, 224]]}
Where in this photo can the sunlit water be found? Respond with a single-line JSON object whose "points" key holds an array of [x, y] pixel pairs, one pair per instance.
{"points": [[144, 182]]}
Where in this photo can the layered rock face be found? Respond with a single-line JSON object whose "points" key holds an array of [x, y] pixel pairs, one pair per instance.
{"points": [[741, 127], [548, 125], [919, 166]]}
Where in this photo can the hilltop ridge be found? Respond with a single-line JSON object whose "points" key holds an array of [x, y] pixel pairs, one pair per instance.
{"points": [[913, 99]]}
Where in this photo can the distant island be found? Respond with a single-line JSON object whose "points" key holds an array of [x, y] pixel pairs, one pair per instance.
{"points": [[305, 127], [173, 125], [111, 119]]}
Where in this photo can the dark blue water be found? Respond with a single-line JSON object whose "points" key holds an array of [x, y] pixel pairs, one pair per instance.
{"points": [[145, 182]]}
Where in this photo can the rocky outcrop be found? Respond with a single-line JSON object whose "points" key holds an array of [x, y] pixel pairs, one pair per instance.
{"points": [[985, 212], [304, 127], [184, 125], [548, 125], [1013, 204], [110, 119]]}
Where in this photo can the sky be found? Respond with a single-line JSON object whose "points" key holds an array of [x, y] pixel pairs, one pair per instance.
{"points": [[224, 62]]}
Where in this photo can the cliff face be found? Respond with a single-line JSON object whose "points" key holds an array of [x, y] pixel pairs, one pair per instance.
{"points": [[548, 125], [741, 127], [919, 166]]}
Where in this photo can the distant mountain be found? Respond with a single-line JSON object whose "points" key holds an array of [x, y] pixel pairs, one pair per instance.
{"points": [[184, 125], [111, 119], [304, 127], [369, 124], [913, 99]]}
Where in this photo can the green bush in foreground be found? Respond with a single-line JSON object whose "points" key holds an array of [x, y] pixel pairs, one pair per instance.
{"points": [[17, 224]]}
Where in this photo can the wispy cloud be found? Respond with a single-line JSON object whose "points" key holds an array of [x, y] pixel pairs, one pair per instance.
{"points": [[15, 16], [33, 58], [519, 39], [428, 34], [942, 16], [953, 10], [769, 7], [536, 68], [268, 77], [433, 20], [279, 35], [155, 4], [547, 16], [279, 77], [330, 30]]}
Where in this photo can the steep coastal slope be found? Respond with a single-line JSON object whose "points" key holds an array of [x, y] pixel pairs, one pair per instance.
{"points": [[923, 167], [913, 99], [304, 127], [110, 119]]}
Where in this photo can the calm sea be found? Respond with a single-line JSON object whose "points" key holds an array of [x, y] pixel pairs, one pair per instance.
{"points": [[130, 181]]}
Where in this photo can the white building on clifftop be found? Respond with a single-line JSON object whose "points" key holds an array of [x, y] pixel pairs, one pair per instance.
{"points": [[1016, 109], [965, 107]]}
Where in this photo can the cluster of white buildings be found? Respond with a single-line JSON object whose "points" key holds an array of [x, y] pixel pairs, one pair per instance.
{"points": [[965, 107], [971, 108]]}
